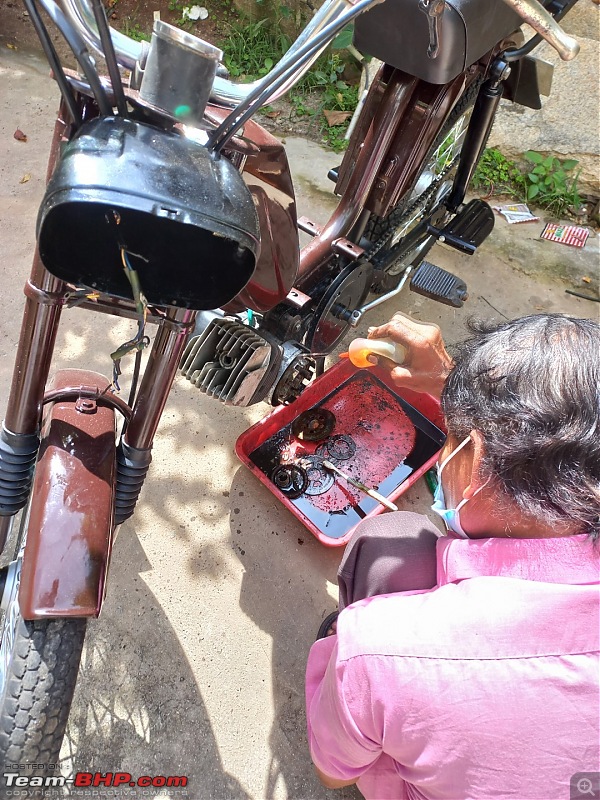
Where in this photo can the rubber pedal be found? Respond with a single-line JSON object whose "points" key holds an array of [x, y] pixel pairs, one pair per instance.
{"points": [[438, 284], [469, 228], [333, 174]]}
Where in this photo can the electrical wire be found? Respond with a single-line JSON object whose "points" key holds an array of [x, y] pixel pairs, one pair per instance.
{"points": [[53, 60], [110, 56], [81, 53], [140, 340]]}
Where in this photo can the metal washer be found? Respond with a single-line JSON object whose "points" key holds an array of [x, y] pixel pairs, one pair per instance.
{"points": [[339, 447], [320, 480]]}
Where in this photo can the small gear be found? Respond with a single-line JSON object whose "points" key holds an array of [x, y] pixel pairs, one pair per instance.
{"points": [[313, 425], [340, 447], [290, 479], [320, 480]]}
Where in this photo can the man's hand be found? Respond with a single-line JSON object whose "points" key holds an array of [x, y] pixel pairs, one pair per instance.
{"points": [[427, 364]]}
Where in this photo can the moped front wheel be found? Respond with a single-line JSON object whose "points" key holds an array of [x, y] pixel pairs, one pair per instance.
{"points": [[39, 662]]}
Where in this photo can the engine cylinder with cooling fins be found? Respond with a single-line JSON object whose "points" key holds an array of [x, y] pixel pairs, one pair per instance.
{"points": [[240, 366], [231, 362]]}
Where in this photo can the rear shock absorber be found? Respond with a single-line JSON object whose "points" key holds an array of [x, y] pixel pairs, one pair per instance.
{"points": [[480, 126], [18, 452]]}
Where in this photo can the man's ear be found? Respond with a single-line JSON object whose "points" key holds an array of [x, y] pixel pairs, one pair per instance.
{"points": [[477, 449]]}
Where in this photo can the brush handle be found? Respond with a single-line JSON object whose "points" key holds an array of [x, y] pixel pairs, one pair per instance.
{"points": [[381, 499], [371, 492]]}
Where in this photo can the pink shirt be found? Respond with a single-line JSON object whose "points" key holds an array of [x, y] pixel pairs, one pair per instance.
{"points": [[484, 687]]}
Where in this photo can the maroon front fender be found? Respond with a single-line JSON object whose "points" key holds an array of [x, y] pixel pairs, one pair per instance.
{"points": [[69, 534]]}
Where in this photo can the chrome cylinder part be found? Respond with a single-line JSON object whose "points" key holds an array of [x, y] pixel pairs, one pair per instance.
{"points": [[224, 92], [179, 73], [231, 362]]}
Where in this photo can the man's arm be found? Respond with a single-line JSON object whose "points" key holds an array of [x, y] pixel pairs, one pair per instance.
{"points": [[339, 749]]}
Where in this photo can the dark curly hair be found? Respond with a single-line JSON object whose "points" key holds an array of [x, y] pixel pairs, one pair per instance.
{"points": [[531, 387]]}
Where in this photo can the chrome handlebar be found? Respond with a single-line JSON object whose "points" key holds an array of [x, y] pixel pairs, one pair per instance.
{"points": [[534, 14], [224, 92]]}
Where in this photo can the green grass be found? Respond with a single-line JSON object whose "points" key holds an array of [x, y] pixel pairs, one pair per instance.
{"points": [[253, 48], [497, 174], [132, 29]]}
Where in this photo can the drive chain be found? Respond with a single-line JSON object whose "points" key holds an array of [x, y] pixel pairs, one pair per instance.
{"points": [[422, 199]]}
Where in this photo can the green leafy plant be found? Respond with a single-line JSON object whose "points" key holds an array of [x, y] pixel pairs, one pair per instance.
{"points": [[547, 182], [335, 137], [550, 185], [132, 29], [497, 174], [252, 48], [333, 93]]}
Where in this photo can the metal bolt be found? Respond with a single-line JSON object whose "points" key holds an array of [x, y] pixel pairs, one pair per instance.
{"points": [[355, 318], [85, 405]]}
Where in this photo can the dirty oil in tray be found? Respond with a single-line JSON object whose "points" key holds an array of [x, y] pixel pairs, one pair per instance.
{"points": [[377, 439]]}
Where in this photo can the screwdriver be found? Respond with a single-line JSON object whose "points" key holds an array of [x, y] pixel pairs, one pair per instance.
{"points": [[371, 492]]}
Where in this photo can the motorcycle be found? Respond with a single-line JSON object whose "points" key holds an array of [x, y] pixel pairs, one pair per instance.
{"points": [[191, 209]]}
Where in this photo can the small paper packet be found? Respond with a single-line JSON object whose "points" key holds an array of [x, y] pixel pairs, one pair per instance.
{"points": [[572, 235], [515, 213]]}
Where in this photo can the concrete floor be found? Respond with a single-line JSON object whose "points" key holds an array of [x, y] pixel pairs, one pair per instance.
{"points": [[196, 666]]}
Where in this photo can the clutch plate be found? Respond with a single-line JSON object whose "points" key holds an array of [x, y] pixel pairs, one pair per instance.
{"points": [[290, 479], [313, 425], [340, 447], [320, 480]]}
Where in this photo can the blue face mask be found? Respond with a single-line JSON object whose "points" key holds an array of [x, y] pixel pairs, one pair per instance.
{"points": [[451, 516]]}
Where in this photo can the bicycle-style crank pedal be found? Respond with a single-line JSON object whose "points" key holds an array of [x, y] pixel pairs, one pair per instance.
{"points": [[469, 228], [438, 284]]}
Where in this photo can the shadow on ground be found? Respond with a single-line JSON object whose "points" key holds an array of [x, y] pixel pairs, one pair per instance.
{"points": [[287, 598], [137, 697]]}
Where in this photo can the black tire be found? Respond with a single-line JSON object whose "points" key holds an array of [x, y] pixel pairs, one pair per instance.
{"points": [[37, 688], [380, 227]]}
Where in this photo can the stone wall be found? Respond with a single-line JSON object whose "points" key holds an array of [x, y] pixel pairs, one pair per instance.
{"points": [[568, 124]]}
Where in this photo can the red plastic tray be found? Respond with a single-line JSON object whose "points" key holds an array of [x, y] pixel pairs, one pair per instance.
{"points": [[397, 433]]}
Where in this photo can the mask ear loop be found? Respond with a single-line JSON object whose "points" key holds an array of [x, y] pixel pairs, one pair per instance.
{"points": [[453, 453], [475, 493]]}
